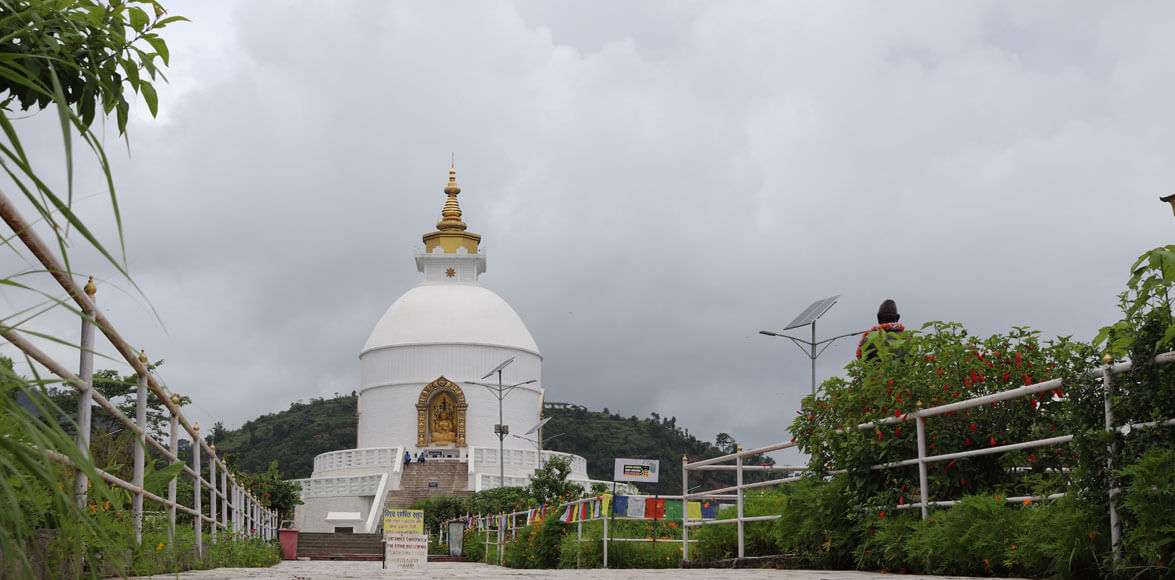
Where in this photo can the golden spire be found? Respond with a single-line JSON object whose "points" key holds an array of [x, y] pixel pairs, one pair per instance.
{"points": [[450, 233]]}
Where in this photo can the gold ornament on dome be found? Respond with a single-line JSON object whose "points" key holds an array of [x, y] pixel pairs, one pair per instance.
{"points": [[450, 234], [440, 414]]}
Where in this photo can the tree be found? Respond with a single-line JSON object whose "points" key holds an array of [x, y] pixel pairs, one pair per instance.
{"points": [[272, 490], [549, 483]]}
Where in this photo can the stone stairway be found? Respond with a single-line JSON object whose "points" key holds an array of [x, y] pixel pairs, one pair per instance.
{"points": [[337, 546], [430, 479]]}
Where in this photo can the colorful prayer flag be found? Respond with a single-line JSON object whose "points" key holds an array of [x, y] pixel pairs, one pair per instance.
{"points": [[709, 509], [672, 509], [693, 511], [620, 505], [636, 507]]}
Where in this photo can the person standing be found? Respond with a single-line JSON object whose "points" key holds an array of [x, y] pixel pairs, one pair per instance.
{"points": [[887, 325]]}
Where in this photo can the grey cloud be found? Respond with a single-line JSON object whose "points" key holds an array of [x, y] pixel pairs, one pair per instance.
{"points": [[653, 183]]}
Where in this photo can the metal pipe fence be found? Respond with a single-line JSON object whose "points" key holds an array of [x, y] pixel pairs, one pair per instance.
{"points": [[240, 512], [923, 459], [507, 524]]}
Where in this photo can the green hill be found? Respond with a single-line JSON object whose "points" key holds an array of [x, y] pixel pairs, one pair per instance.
{"points": [[294, 436]]}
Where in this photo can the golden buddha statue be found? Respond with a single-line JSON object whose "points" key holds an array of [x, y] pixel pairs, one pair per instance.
{"points": [[442, 428]]}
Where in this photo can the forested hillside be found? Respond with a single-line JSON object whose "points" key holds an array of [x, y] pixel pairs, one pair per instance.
{"points": [[294, 436]]}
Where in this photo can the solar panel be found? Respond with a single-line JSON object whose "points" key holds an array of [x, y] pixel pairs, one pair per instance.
{"points": [[811, 313], [504, 364]]}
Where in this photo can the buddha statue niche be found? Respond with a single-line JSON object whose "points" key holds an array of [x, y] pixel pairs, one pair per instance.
{"points": [[443, 429]]}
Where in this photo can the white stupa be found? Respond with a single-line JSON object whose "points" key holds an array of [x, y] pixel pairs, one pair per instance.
{"points": [[415, 396]]}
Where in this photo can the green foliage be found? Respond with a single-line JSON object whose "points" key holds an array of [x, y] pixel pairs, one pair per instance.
{"points": [[549, 483], [82, 53], [272, 489], [1061, 539], [438, 510], [942, 363], [666, 553], [536, 546], [883, 540], [1148, 292], [1149, 502], [499, 500], [817, 524], [720, 542], [973, 537]]}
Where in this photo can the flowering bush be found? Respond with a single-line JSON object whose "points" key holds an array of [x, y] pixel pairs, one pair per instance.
{"points": [[939, 364]]}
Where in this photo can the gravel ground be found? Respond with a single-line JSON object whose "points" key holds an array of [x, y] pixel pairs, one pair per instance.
{"points": [[328, 570]]}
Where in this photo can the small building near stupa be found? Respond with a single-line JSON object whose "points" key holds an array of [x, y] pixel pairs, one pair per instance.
{"points": [[414, 394]]}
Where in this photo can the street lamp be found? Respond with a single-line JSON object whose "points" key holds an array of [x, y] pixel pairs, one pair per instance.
{"points": [[500, 391], [812, 348], [538, 444]]}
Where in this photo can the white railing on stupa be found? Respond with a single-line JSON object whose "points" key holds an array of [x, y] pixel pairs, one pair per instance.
{"points": [[344, 486], [379, 459], [485, 460]]}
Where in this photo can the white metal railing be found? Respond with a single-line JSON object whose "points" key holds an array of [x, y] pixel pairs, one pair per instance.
{"points": [[520, 460], [1105, 372], [239, 511]]}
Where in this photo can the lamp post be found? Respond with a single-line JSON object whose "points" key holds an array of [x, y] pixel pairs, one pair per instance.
{"points": [[500, 391], [538, 444], [808, 317]]}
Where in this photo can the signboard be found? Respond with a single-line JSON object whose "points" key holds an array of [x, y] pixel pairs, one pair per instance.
{"points": [[406, 552], [403, 521], [405, 543], [636, 470]]}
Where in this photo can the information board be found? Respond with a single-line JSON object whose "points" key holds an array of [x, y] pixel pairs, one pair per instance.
{"points": [[636, 470], [403, 521], [405, 543], [405, 551]]}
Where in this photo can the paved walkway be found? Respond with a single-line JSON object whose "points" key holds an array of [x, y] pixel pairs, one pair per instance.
{"points": [[325, 570]]}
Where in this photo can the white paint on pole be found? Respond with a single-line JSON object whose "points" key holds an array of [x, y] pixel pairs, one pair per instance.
{"points": [[85, 401], [140, 456]]}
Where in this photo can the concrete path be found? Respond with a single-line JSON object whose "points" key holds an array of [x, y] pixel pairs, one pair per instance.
{"points": [[325, 570]]}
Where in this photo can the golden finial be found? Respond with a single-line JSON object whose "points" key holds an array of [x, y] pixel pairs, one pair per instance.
{"points": [[142, 356], [450, 233], [90, 288]]}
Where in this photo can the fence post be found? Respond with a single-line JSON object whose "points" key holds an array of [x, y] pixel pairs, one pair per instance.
{"points": [[1115, 523], [606, 532], [85, 401], [923, 480], [501, 536], [684, 510], [224, 490], [212, 490], [140, 451], [738, 459], [198, 521], [578, 540], [173, 446]]}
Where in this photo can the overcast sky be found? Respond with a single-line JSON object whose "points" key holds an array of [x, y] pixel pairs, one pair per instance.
{"points": [[654, 183]]}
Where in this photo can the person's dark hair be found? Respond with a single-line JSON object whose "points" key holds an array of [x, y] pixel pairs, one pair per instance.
{"points": [[888, 312]]}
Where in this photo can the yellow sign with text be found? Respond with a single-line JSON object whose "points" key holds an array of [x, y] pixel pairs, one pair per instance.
{"points": [[403, 521]]}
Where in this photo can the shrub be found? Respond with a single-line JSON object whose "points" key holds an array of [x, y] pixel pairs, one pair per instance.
{"points": [[816, 524], [720, 541], [1148, 500], [973, 537], [883, 537], [473, 546], [1059, 538]]}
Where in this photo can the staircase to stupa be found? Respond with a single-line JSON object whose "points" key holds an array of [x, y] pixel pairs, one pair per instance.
{"points": [[435, 478]]}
